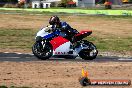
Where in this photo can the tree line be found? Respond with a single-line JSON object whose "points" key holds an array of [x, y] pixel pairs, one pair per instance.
{"points": [[62, 1], [10, 1]]}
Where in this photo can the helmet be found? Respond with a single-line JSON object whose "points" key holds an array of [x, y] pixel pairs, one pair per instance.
{"points": [[54, 20]]}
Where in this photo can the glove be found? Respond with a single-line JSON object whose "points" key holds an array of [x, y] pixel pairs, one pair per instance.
{"points": [[48, 28]]}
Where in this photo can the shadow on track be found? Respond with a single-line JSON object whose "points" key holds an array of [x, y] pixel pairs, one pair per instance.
{"points": [[19, 57]]}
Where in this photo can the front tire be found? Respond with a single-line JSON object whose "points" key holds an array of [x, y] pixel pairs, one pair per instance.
{"points": [[90, 53], [40, 53]]}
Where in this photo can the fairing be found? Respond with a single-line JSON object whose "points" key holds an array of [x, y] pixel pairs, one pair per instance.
{"points": [[82, 35], [60, 45]]}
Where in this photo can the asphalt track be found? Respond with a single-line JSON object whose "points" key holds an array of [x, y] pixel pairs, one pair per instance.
{"points": [[19, 57]]}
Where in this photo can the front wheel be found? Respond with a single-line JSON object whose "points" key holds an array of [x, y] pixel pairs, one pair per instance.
{"points": [[90, 53], [42, 53]]}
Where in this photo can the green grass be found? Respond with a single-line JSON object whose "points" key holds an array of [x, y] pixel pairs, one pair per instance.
{"points": [[16, 38], [71, 11], [112, 43], [24, 38]]}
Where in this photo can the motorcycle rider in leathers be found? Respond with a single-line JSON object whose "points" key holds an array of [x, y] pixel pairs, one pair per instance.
{"points": [[68, 31]]}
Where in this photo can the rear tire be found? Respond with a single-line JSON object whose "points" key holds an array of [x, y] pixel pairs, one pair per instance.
{"points": [[90, 53], [40, 53]]}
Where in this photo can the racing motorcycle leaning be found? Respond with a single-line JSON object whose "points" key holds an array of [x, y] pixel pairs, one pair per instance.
{"points": [[53, 44]]}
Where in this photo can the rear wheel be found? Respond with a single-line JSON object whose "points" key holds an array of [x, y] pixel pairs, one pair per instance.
{"points": [[41, 52], [90, 53]]}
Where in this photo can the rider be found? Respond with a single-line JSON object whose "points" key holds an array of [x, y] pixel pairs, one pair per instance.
{"points": [[64, 27]]}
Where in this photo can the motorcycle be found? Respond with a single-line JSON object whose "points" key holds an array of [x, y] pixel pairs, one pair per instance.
{"points": [[53, 44]]}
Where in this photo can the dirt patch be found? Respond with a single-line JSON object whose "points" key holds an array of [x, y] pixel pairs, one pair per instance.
{"points": [[58, 74], [117, 26]]}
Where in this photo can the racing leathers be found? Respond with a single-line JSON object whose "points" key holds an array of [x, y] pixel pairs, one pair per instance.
{"points": [[66, 31]]}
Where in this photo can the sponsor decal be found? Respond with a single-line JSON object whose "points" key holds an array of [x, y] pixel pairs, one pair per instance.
{"points": [[85, 81], [59, 53]]}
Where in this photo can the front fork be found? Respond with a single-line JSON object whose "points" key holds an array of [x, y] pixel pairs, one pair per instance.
{"points": [[41, 42]]}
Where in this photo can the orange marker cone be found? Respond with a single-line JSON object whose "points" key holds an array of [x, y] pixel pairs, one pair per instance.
{"points": [[84, 80], [84, 73]]}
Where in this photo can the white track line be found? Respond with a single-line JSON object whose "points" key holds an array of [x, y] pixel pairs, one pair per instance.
{"points": [[11, 57], [124, 59], [6, 52], [120, 59], [20, 53]]}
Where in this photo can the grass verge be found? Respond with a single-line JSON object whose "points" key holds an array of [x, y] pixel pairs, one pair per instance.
{"points": [[24, 38], [16, 38], [110, 33], [71, 11]]}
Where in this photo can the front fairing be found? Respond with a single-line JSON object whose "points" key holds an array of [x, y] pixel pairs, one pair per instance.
{"points": [[42, 32], [46, 34]]}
